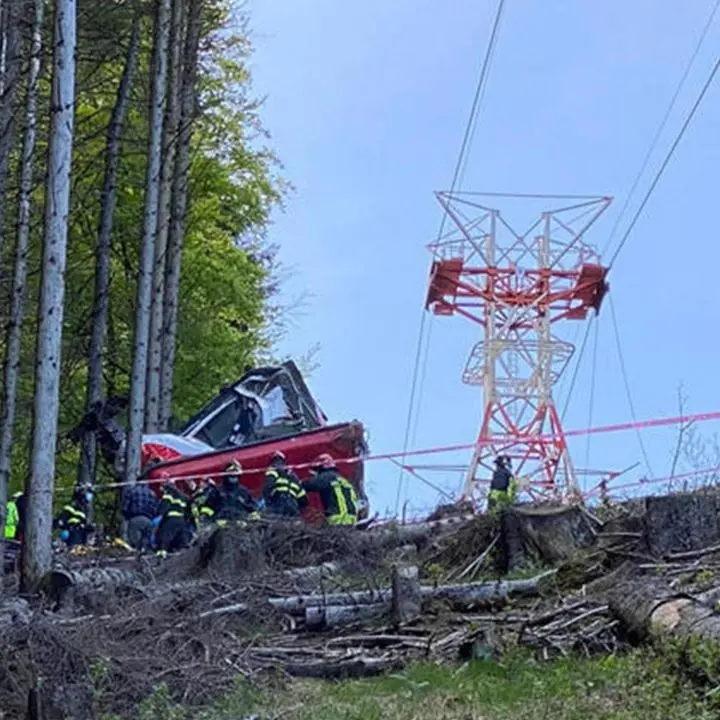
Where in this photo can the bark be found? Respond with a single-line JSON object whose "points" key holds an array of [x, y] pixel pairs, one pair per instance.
{"points": [[170, 133], [682, 522], [19, 290], [37, 556], [650, 610], [12, 12], [406, 596], [469, 593], [176, 237], [548, 535], [108, 200], [58, 582], [136, 413], [327, 616]]}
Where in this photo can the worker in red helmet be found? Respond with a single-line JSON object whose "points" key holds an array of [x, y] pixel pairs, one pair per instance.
{"points": [[283, 494], [338, 496]]}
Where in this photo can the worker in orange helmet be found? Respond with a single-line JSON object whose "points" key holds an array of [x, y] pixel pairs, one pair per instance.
{"points": [[339, 498]]}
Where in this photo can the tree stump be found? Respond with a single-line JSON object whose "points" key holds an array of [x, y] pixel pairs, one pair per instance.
{"points": [[682, 522], [548, 535], [406, 594]]}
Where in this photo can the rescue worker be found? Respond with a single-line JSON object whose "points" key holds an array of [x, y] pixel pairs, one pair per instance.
{"points": [[339, 498], [73, 520], [206, 502], [174, 521], [139, 507], [282, 492], [503, 486], [15, 517], [237, 504]]}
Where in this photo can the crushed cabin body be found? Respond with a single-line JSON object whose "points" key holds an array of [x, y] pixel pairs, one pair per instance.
{"points": [[266, 410]]}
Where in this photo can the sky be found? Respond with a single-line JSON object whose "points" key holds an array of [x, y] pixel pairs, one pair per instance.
{"points": [[366, 104]]}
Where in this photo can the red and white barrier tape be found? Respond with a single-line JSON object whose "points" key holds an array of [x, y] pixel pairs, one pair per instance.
{"points": [[651, 423]]}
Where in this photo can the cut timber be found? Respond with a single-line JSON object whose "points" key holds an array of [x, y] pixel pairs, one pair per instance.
{"points": [[469, 593], [406, 594], [682, 522], [549, 535], [650, 608], [59, 581], [322, 617]]}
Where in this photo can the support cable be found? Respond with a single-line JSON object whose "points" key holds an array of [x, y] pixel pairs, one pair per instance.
{"points": [[464, 148], [661, 127], [591, 404], [576, 371], [666, 161], [623, 370]]}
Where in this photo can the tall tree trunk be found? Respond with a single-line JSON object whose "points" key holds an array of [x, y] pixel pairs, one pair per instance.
{"points": [[170, 132], [179, 205], [19, 291], [88, 454], [13, 11], [145, 272], [37, 557]]}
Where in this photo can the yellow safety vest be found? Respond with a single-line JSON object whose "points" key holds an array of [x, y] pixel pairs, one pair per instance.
{"points": [[77, 517], [346, 498], [12, 520], [504, 498], [284, 484], [177, 503]]}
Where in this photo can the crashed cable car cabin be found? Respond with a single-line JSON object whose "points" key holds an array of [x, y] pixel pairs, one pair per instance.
{"points": [[266, 410]]}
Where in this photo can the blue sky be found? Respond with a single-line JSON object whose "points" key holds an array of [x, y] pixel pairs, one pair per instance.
{"points": [[367, 102]]}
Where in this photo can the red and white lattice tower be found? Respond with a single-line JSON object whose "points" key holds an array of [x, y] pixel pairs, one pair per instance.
{"points": [[518, 284]]}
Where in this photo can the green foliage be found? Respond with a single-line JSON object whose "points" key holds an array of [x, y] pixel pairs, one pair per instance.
{"points": [[233, 188]]}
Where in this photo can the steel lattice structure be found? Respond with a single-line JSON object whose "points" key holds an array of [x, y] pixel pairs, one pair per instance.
{"points": [[518, 286]]}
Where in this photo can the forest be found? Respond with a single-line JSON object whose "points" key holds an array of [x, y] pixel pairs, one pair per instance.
{"points": [[136, 188]]}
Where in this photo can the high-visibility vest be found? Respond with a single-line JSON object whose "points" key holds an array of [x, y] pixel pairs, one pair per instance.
{"points": [[504, 498], [284, 484], [179, 506], [12, 519], [346, 498], [77, 517]]}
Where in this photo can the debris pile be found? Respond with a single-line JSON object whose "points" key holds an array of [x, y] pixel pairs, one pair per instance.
{"points": [[280, 597]]}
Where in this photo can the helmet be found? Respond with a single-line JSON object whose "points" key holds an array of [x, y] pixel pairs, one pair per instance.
{"points": [[503, 460], [278, 455], [233, 471], [324, 461]]}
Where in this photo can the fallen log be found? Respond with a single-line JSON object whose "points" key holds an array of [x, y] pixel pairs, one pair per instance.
{"points": [[474, 592], [326, 616], [59, 581], [469, 593], [650, 608]]}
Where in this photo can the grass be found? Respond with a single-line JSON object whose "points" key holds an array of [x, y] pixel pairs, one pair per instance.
{"points": [[633, 687]]}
